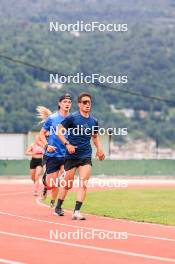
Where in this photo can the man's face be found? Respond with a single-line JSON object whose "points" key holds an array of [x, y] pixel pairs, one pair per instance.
{"points": [[65, 104], [85, 104]]}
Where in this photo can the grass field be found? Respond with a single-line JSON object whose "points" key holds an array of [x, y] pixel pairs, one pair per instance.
{"points": [[145, 205], [107, 167]]}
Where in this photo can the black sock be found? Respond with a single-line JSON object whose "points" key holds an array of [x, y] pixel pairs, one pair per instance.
{"points": [[78, 206], [44, 178], [59, 203]]}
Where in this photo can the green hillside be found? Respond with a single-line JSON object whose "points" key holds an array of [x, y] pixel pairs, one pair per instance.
{"points": [[146, 54]]}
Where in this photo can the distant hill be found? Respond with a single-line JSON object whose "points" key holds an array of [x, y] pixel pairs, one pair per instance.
{"points": [[130, 10], [146, 53]]}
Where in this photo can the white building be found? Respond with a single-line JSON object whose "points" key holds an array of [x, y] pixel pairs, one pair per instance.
{"points": [[13, 146]]}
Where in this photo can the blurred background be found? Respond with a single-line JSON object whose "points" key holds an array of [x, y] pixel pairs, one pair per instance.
{"points": [[145, 53]]}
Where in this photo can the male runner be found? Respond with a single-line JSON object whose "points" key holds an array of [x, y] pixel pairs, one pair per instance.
{"points": [[79, 151], [54, 149]]}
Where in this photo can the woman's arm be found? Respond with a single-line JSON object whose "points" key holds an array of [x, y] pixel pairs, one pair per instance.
{"points": [[29, 151]]}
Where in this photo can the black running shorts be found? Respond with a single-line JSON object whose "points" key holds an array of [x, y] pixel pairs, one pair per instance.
{"points": [[75, 163], [53, 164], [35, 162]]}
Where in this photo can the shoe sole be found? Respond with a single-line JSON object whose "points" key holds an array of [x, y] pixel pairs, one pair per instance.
{"points": [[58, 214]]}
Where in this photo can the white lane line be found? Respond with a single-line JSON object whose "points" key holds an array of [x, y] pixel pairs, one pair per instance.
{"points": [[83, 227], [108, 250], [11, 181], [39, 202], [12, 193], [10, 261], [103, 217], [129, 234], [149, 224]]}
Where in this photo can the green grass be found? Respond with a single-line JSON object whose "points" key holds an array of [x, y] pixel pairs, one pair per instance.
{"points": [[145, 205], [107, 167]]}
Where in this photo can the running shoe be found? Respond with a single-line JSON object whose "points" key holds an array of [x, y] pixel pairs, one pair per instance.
{"points": [[59, 212], [78, 216]]}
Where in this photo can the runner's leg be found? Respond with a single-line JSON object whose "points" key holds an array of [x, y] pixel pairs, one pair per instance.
{"points": [[37, 175]]}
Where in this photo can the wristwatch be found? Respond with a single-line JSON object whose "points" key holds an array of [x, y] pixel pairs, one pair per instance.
{"points": [[66, 143], [45, 147]]}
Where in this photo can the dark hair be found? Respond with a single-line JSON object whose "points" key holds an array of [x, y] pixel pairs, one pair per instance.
{"points": [[63, 97], [81, 95]]}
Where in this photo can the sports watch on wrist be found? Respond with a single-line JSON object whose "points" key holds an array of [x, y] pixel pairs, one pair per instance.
{"points": [[45, 147], [66, 143]]}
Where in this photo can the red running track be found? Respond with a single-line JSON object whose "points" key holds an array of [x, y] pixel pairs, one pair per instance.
{"points": [[26, 224]]}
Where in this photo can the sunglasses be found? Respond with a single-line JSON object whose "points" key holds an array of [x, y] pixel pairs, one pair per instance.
{"points": [[85, 102]]}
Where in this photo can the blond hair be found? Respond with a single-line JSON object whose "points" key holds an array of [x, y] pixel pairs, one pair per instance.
{"points": [[43, 113]]}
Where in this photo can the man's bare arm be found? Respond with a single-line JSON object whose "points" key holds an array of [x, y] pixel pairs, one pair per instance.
{"points": [[43, 134], [61, 133], [96, 140]]}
